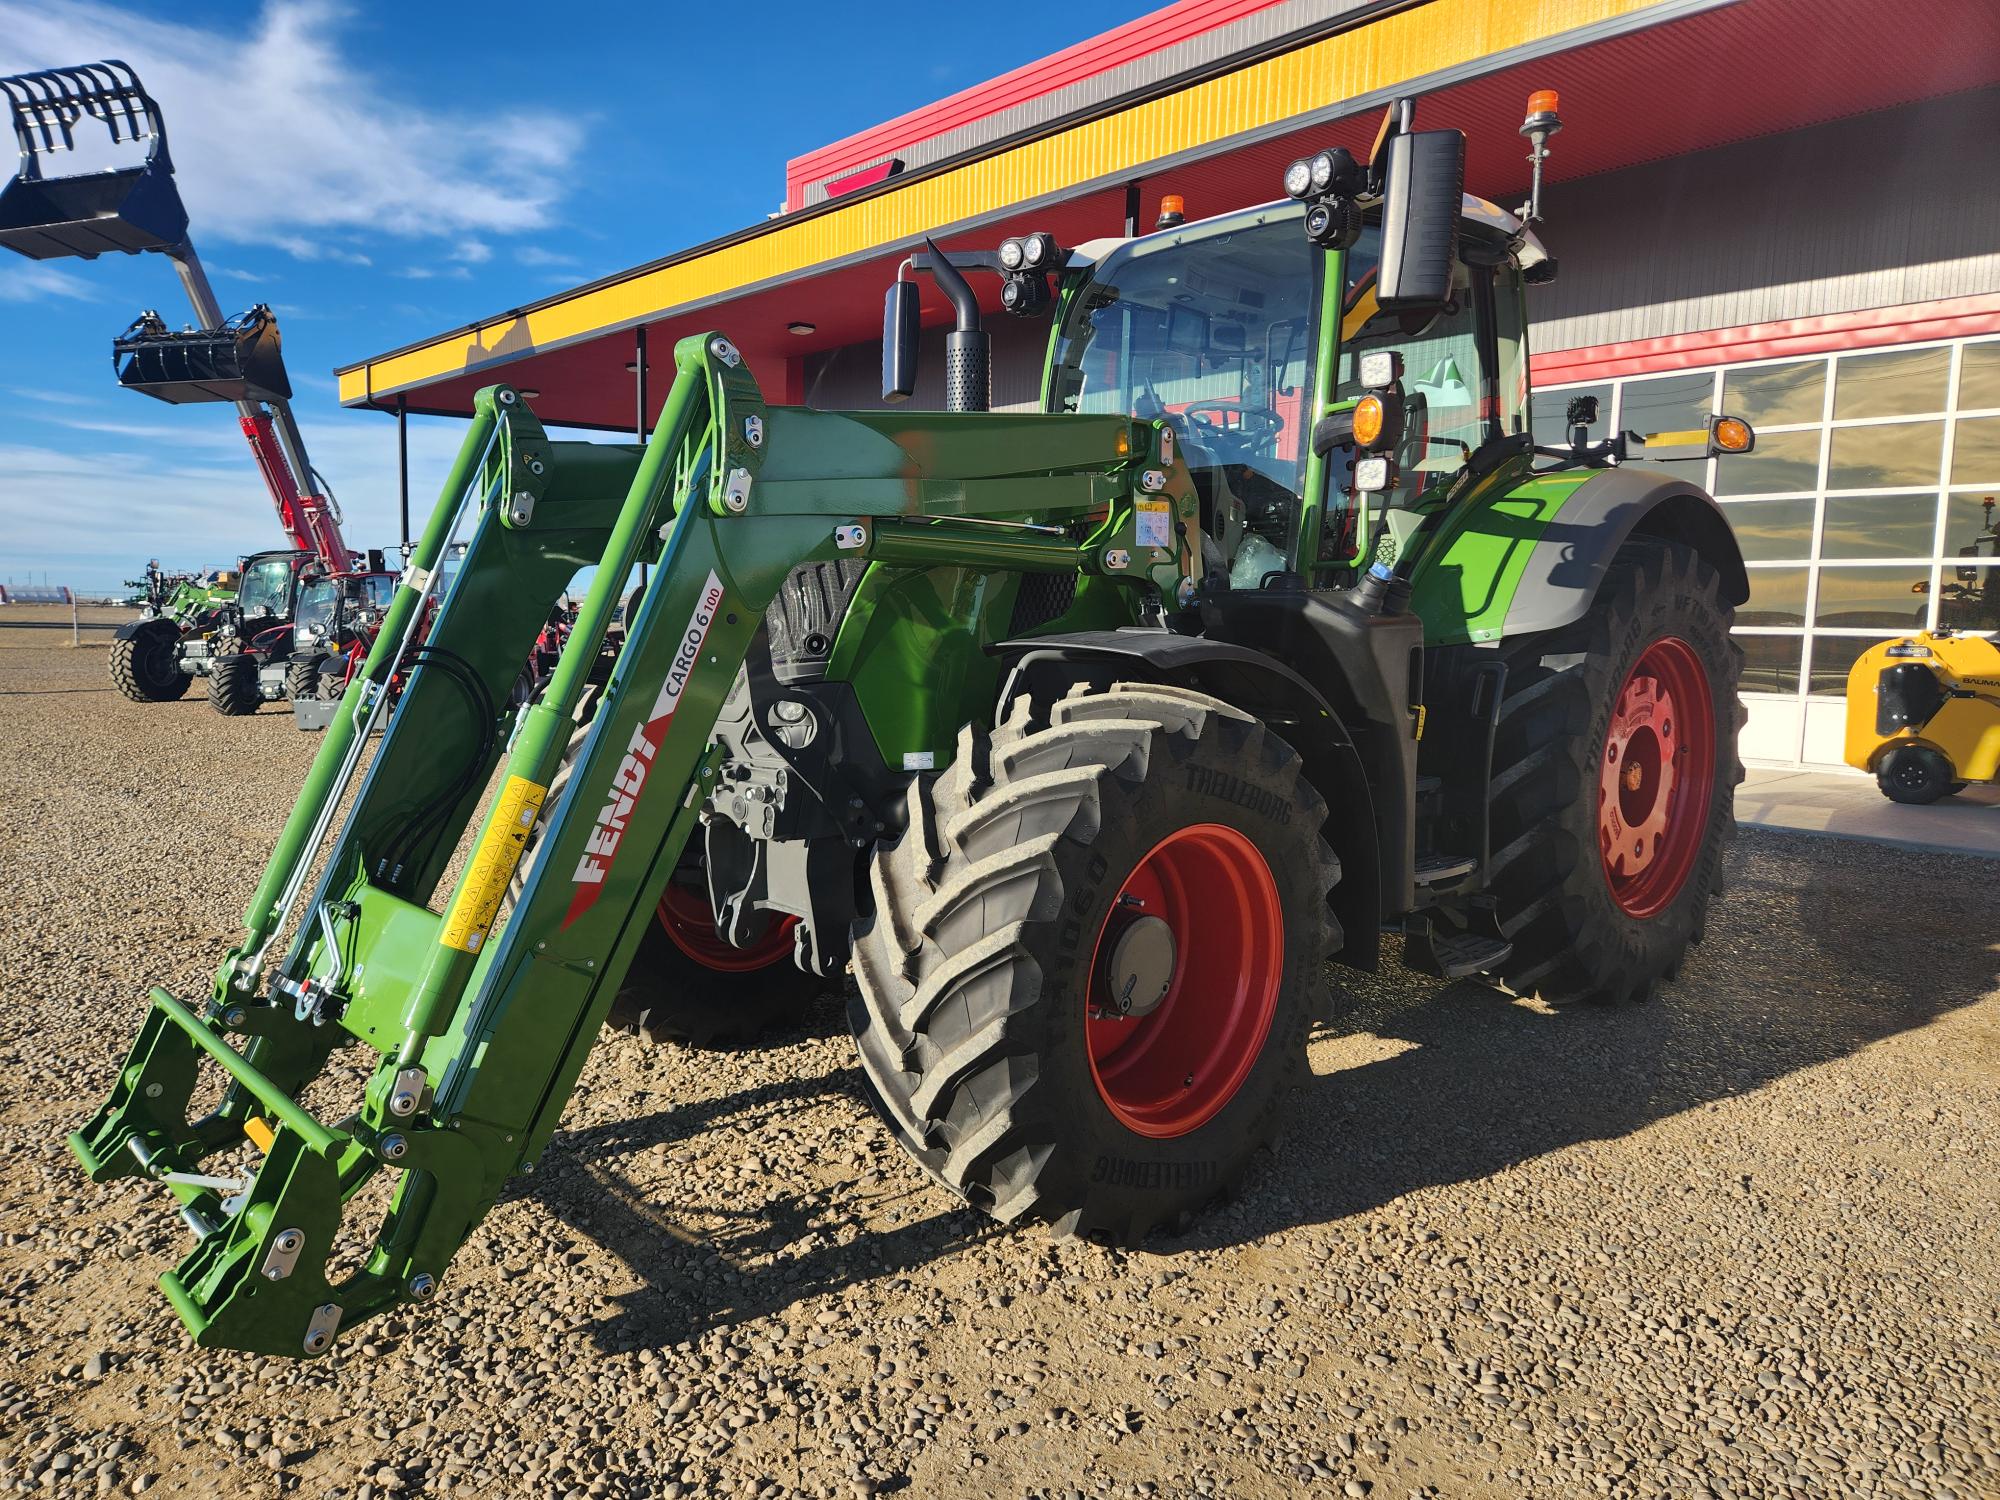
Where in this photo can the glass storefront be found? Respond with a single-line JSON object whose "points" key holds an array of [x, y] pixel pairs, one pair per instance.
{"points": [[1868, 509]]}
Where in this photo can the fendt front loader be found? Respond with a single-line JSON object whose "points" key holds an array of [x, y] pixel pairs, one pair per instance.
{"points": [[133, 207], [1082, 738]]}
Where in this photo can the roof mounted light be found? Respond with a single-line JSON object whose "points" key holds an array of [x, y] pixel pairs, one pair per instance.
{"points": [[1013, 254], [1298, 178]]}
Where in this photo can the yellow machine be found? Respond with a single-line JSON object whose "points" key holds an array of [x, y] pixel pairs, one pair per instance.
{"points": [[1923, 713]]}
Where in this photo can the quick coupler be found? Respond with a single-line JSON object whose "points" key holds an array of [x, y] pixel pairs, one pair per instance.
{"points": [[257, 1278]]}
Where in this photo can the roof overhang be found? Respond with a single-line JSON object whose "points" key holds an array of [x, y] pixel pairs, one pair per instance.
{"points": [[1640, 80]]}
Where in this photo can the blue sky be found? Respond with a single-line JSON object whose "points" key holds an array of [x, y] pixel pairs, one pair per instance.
{"points": [[378, 173]]}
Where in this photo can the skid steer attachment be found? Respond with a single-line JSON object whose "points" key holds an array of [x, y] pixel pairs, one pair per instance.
{"points": [[129, 208], [482, 1021]]}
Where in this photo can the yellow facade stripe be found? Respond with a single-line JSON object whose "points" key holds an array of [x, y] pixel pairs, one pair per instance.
{"points": [[1409, 44]]}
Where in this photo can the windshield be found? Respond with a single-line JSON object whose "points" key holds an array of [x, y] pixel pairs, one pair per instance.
{"points": [[1211, 329], [346, 601], [267, 587], [316, 606]]}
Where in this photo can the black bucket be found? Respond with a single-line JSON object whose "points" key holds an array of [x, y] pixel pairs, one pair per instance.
{"points": [[240, 361], [129, 208]]}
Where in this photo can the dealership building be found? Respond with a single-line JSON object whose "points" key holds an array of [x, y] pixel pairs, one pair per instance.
{"points": [[1788, 210]]}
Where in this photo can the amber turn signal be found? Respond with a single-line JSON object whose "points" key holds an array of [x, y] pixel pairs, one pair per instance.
{"points": [[1369, 417], [1733, 435]]}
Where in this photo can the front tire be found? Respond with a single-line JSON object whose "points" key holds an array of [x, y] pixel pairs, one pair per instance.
{"points": [[1095, 953], [302, 680], [1916, 775], [1615, 773], [146, 665], [232, 685]]}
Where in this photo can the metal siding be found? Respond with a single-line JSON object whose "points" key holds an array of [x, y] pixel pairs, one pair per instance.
{"points": [[1263, 26], [1879, 210]]}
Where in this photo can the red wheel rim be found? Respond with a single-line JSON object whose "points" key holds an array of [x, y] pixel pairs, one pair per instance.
{"points": [[686, 916], [1656, 778], [1172, 1069]]}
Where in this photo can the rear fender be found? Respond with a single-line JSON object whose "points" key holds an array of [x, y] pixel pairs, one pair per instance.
{"points": [[1534, 559], [1045, 667]]}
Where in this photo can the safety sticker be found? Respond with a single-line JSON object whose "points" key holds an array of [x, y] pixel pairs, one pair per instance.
{"points": [[492, 865], [1156, 523]]}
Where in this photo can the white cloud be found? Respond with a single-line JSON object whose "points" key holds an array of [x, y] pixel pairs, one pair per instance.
{"points": [[298, 142], [35, 282], [196, 434], [125, 498], [535, 255], [473, 253], [318, 249], [233, 274], [432, 273], [54, 398]]}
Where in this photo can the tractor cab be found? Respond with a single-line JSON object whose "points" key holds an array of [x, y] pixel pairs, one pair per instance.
{"points": [[268, 591], [1218, 327], [336, 610]]}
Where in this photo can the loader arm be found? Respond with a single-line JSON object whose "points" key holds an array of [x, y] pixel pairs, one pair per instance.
{"points": [[481, 1021]]}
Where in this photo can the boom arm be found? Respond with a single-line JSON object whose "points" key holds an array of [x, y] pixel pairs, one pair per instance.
{"points": [[482, 1021], [311, 519]]}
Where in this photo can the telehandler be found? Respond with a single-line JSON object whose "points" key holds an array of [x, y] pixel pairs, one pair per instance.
{"points": [[1083, 738], [134, 207]]}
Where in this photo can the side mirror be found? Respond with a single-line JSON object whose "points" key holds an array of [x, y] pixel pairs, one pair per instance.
{"points": [[901, 322], [1423, 188]]}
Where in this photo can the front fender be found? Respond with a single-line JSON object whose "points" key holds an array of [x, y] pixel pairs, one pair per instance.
{"points": [[1260, 685]]}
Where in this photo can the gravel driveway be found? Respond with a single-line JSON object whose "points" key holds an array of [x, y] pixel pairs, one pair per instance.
{"points": [[1740, 1242]]}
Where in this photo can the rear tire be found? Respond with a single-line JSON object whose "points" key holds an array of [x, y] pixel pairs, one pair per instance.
{"points": [[989, 1034], [1609, 823], [232, 685], [1916, 775], [146, 667]]}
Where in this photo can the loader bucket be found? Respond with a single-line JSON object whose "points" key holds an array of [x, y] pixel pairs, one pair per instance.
{"points": [[240, 360], [132, 207]]}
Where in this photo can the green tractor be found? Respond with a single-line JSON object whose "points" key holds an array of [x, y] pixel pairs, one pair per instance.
{"points": [[1082, 739], [176, 611]]}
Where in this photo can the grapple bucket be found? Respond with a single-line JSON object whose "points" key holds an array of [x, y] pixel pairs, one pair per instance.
{"points": [[239, 360], [130, 208]]}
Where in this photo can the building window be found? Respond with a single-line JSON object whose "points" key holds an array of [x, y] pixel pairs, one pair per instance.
{"points": [[1868, 509]]}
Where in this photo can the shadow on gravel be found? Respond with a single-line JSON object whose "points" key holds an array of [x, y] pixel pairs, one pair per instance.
{"points": [[1797, 970], [716, 1258]]}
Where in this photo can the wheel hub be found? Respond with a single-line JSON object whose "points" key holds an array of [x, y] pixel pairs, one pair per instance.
{"points": [[1184, 980], [1656, 778], [1140, 967]]}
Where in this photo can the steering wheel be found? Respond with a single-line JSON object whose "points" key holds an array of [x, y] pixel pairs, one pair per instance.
{"points": [[1253, 423]]}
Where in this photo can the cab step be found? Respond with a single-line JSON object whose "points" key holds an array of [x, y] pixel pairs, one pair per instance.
{"points": [[1435, 869], [1450, 952]]}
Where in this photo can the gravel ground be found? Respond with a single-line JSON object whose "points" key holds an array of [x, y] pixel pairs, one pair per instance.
{"points": [[1740, 1242]]}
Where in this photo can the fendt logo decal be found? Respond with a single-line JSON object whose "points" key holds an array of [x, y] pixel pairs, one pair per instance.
{"points": [[628, 783]]}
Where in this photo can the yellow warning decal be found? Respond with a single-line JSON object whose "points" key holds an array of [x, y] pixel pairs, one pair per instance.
{"points": [[492, 866], [260, 1133]]}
